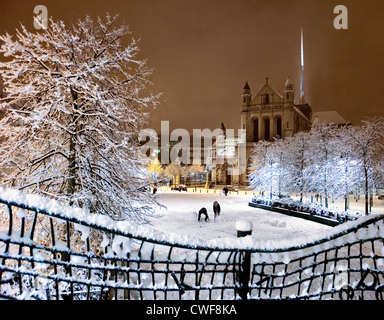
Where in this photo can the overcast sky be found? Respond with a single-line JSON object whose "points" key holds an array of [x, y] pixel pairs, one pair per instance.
{"points": [[205, 50]]}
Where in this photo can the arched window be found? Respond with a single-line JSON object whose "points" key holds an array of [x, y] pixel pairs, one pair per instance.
{"points": [[278, 128], [267, 98], [256, 130], [266, 129]]}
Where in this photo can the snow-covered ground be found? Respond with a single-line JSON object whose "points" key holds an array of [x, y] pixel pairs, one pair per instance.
{"points": [[180, 217]]}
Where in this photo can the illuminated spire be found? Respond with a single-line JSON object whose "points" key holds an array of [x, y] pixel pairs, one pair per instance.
{"points": [[302, 49], [302, 100]]}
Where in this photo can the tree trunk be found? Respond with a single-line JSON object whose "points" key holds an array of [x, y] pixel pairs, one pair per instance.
{"points": [[71, 182], [366, 191], [326, 180], [72, 169]]}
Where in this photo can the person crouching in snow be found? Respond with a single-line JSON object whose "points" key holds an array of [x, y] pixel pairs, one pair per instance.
{"points": [[203, 211]]}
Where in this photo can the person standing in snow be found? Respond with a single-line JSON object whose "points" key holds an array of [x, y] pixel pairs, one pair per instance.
{"points": [[216, 209]]}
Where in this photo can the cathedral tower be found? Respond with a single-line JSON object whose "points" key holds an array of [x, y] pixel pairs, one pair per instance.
{"points": [[269, 115], [289, 93], [247, 96]]}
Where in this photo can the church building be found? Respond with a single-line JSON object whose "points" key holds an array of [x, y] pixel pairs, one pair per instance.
{"points": [[269, 115], [265, 115]]}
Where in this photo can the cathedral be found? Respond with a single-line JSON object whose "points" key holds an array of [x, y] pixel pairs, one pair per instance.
{"points": [[267, 116], [270, 115]]}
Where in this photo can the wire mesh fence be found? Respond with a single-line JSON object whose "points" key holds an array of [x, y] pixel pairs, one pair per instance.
{"points": [[44, 255], [51, 255], [348, 266]]}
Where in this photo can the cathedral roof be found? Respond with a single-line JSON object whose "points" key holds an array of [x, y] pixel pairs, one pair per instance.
{"points": [[327, 117], [301, 114], [267, 89]]}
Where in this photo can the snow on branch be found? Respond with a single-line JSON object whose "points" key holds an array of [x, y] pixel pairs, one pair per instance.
{"points": [[74, 105], [328, 162]]}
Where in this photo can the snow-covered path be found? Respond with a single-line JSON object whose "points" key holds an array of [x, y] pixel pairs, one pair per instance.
{"points": [[180, 217]]}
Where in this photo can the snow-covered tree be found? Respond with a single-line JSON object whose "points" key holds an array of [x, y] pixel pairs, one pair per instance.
{"points": [[367, 145], [262, 175], [297, 163], [324, 157], [346, 174], [269, 168], [279, 155], [330, 161], [154, 169], [74, 104], [195, 170], [184, 173], [172, 171]]}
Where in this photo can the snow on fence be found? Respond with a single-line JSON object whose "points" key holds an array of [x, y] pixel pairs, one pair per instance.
{"points": [[50, 251]]}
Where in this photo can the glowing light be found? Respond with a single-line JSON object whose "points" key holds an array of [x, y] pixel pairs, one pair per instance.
{"points": [[302, 50], [302, 68]]}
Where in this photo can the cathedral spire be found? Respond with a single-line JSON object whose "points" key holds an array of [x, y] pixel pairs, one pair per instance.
{"points": [[246, 89], [246, 95], [302, 99]]}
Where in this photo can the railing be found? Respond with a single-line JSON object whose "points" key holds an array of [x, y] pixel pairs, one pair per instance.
{"points": [[49, 251], [346, 265]]}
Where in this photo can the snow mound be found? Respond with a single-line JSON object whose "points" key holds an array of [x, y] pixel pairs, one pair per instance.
{"points": [[243, 225]]}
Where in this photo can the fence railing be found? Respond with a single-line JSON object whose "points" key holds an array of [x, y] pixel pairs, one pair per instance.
{"points": [[49, 251], [346, 265]]}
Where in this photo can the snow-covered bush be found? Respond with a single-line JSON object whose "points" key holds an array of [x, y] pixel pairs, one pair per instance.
{"points": [[317, 209]]}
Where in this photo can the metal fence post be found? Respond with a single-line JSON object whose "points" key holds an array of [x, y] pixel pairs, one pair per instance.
{"points": [[244, 228]]}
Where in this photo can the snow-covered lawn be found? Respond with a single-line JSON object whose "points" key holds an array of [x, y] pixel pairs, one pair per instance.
{"points": [[180, 217]]}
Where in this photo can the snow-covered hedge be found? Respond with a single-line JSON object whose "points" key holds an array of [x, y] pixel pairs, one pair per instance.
{"points": [[316, 209]]}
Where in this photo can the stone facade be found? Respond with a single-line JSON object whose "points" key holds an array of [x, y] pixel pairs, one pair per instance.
{"points": [[270, 115]]}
